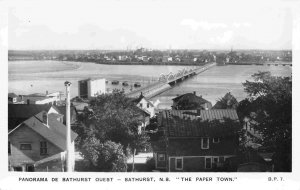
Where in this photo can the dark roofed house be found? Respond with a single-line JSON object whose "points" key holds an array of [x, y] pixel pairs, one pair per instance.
{"points": [[39, 144], [197, 140], [190, 101]]}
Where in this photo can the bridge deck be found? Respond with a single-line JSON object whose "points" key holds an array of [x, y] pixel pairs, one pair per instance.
{"points": [[158, 87]]}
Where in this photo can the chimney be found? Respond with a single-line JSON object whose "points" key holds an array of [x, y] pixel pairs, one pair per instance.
{"points": [[28, 101], [45, 118], [194, 92], [46, 92]]}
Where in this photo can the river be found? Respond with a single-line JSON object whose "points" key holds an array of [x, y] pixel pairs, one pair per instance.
{"points": [[25, 77]]}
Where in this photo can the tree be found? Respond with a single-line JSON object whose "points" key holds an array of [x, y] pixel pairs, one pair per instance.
{"points": [[107, 156], [226, 102], [110, 118], [270, 105]]}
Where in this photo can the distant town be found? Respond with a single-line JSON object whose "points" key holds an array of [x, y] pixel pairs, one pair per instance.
{"points": [[143, 56]]}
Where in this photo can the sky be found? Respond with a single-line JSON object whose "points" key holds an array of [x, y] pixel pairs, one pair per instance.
{"points": [[154, 24]]}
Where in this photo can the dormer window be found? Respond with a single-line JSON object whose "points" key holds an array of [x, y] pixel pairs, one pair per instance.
{"points": [[45, 118], [216, 140]]}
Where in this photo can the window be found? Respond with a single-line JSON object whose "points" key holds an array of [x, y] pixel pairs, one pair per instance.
{"points": [[205, 143], [9, 148], [18, 169], [141, 105], [178, 163], [215, 161], [208, 163], [161, 157], [43, 147], [25, 146], [29, 168], [216, 140], [148, 105]]}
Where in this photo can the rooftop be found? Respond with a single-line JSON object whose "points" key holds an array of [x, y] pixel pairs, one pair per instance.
{"points": [[55, 132], [182, 123]]}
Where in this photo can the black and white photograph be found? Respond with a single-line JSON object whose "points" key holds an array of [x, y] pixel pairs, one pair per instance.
{"points": [[155, 86]]}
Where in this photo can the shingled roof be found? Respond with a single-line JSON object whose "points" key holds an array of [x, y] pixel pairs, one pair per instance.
{"points": [[190, 123], [189, 101], [17, 113], [55, 132]]}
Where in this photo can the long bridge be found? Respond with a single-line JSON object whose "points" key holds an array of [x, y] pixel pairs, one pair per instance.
{"points": [[166, 81]]}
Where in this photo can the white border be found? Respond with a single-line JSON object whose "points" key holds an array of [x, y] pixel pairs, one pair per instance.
{"points": [[10, 180]]}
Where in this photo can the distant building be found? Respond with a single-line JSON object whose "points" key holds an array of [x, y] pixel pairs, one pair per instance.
{"points": [[15, 99], [39, 98], [144, 104], [147, 109], [167, 59], [190, 101], [122, 57], [142, 58], [91, 88]]}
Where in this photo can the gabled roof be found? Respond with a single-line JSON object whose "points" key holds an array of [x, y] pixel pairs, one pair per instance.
{"points": [[73, 112], [17, 113], [140, 98], [189, 123], [12, 95], [190, 97], [204, 115], [55, 132], [37, 98], [36, 95]]}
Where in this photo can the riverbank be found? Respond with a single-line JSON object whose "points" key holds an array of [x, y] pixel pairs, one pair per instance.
{"points": [[171, 63]]}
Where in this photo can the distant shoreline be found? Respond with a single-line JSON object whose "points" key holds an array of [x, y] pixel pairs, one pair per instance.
{"points": [[120, 63], [156, 63]]}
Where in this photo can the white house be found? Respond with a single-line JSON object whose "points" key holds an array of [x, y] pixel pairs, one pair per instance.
{"points": [[88, 88]]}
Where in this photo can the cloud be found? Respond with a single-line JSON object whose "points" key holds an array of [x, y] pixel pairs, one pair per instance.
{"points": [[239, 25], [195, 25], [86, 36], [226, 37]]}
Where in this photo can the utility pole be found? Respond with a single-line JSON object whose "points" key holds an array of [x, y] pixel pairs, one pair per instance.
{"points": [[69, 160]]}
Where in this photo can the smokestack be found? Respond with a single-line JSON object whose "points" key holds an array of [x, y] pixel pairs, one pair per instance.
{"points": [[68, 126]]}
